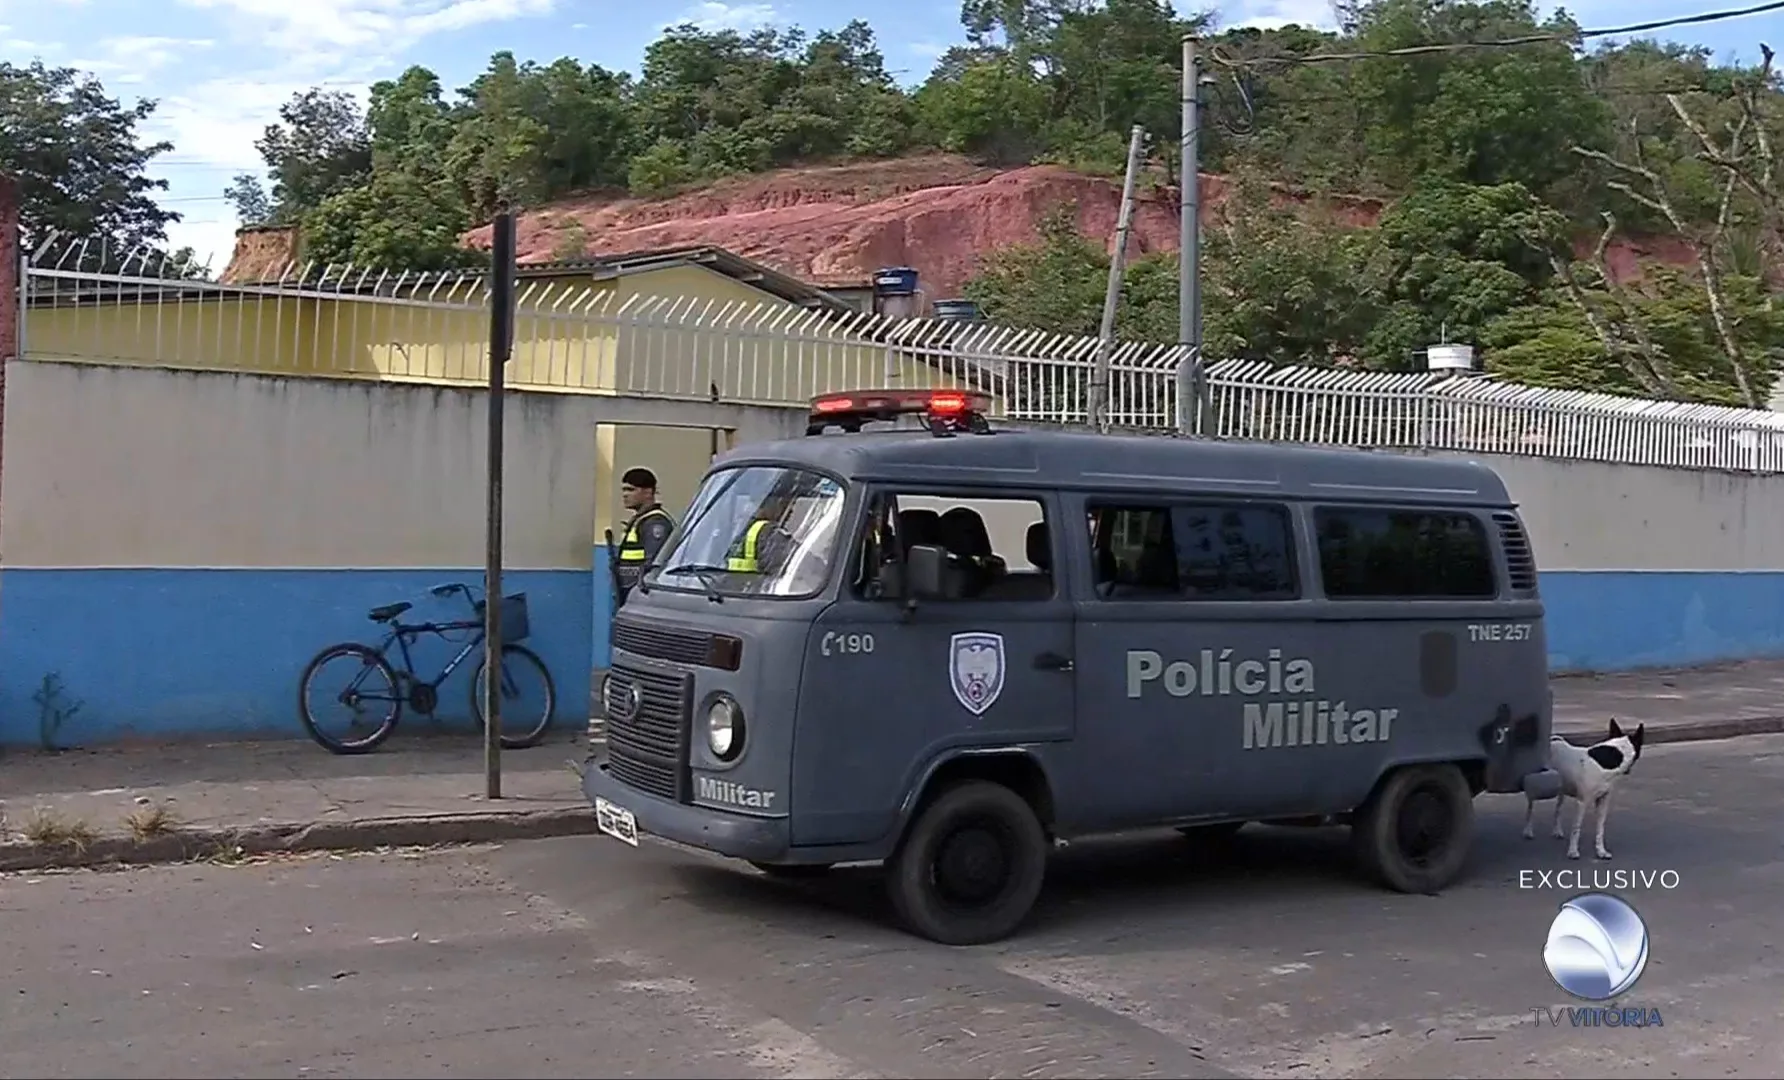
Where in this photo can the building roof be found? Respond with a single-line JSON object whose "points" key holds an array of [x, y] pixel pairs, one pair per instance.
{"points": [[716, 259]]}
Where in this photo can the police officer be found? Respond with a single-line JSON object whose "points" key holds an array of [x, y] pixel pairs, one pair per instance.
{"points": [[648, 531], [764, 540], [746, 553]]}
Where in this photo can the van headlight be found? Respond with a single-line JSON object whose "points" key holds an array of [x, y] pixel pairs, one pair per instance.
{"points": [[724, 728]]}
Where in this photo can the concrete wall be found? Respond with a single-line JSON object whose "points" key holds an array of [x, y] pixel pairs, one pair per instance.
{"points": [[1643, 566], [177, 545]]}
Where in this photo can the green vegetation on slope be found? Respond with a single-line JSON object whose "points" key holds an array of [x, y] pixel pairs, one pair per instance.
{"points": [[1492, 162]]}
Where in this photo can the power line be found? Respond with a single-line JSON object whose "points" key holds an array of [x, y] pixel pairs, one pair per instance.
{"points": [[1505, 43]]}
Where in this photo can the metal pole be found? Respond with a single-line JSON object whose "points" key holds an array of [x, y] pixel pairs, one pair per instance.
{"points": [[1191, 379], [1099, 381], [501, 346]]}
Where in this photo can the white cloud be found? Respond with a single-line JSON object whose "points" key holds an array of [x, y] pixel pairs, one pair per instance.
{"points": [[361, 24], [133, 59], [334, 44], [1275, 14], [712, 15]]}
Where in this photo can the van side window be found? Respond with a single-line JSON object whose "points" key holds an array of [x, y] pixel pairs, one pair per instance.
{"points": [[1235, 551], [1193, 551], [997, 549], [1381, 554], [1134, 556]]}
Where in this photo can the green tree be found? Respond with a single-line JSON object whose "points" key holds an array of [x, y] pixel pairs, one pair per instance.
{"points": [[319, 147], [996, 108], [397, 221], [80, 161], [1478, 116]]}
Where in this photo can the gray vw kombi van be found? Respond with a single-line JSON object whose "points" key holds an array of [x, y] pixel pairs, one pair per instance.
{"points": [[947, 648]]}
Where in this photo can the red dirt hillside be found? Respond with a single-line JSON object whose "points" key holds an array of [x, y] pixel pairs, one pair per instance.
{"points": [[835, 225]]}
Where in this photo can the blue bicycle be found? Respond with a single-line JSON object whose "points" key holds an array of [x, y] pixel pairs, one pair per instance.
{"points": [[374, 691]]}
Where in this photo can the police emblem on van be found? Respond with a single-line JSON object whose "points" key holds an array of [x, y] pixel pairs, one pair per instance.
{"points": [[976, 668]]}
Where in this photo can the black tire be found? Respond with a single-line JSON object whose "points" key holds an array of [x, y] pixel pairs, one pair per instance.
{"points": [[1414, 833], [966, 827], [380, 669], [530, 730], [793, 871]]}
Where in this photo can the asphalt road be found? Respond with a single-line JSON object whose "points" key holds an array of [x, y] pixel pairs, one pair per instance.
{"points": [[583, 957]]}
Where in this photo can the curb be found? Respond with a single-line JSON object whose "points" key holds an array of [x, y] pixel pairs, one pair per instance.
{"points": [[1691, 730], [185, 845]]}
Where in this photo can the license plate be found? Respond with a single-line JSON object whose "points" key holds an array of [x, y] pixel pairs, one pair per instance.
{"points": [[616, 821]]}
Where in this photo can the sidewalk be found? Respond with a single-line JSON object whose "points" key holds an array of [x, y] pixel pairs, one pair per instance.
{"points": [[163, 802], [158, 803], [1677, 706]]}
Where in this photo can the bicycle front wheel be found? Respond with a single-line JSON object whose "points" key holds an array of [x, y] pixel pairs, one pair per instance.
{"points": [[359, 698], [528, 696]]}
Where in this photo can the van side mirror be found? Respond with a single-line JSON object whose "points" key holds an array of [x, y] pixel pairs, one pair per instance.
{"points": [[924, 566]]}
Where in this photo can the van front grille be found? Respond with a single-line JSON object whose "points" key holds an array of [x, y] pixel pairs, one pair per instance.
{"points": [[660, 642], [647, 749]]}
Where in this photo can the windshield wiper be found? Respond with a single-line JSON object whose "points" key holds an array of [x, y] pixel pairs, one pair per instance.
{"points": [[703, 574]]}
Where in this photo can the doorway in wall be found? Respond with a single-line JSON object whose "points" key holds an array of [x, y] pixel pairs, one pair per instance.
{"points": [[679, 456]]}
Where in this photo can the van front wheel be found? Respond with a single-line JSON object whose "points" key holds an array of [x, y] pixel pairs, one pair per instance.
{"points": [[1413, 834], [970, 868]]}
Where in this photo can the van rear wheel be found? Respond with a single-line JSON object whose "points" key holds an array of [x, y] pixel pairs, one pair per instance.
{"points": [[1414, 832], [970, 869]]}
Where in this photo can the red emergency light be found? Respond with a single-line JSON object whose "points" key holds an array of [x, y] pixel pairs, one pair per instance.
{"points": [[946, 410]]}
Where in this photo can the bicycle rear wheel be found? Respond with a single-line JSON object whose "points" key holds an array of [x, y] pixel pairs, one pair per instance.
{"points": [[369, 690], [529, 698]]}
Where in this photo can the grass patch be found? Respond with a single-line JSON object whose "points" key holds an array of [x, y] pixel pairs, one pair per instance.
{"points": [[46, 828], [148, 822]]}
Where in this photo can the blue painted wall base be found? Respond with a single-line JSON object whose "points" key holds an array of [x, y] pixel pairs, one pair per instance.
{"points": [[1620, 620], [177, 653], [180, 653]]}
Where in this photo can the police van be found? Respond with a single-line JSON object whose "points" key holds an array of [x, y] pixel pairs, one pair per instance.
{"points": [[947, 649]]}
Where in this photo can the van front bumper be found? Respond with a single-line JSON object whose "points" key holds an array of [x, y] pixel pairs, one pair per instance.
{"points": [[734, 835]]}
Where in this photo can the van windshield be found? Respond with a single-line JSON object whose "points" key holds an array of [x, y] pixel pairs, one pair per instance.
{"points": [[760, 530]]}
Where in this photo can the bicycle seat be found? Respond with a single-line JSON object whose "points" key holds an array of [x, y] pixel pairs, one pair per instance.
{"points": [[388, 611]]}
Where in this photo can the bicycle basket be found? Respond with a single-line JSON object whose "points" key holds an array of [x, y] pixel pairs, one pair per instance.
{"points": [[515, 626]]}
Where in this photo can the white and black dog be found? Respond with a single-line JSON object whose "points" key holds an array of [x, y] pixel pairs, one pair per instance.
{"points": [[1589, 775]]}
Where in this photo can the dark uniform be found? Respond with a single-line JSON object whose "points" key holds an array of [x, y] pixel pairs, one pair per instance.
{"points": [[645, 536]]}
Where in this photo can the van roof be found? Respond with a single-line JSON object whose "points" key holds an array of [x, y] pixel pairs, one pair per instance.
{"points": [[1139, 463]]}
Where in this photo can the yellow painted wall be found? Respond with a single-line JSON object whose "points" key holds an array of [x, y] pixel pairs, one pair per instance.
{"points": [[570, 333], [754, 346]]}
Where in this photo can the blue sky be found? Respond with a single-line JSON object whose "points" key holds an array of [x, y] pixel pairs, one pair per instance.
{"points": [[221, 68]]}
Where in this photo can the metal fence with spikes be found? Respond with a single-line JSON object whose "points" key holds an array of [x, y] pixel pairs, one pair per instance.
{"points": [[575, 335], [1434, 411], [570, 335]]}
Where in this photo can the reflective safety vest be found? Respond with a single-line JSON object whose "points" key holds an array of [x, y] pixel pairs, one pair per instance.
{"points": [[631, 549], [745, 559]]}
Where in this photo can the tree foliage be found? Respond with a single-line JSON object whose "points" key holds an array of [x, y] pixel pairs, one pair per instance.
{"points": [[1492, 171], [81, 163]]}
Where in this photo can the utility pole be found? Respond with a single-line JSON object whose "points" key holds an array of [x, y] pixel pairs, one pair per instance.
{"points": [[1192, 381], [501, 346], [1099, 382]]}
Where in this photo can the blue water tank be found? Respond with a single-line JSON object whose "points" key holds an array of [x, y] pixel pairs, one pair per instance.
{"points": [[957, 310], [895, 281]]}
